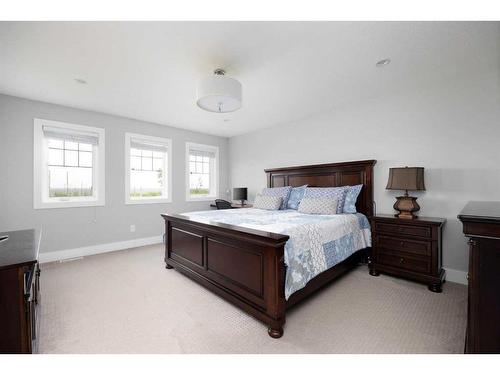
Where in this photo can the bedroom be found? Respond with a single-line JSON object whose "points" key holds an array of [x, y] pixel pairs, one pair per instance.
{"points": [[249, 187]]}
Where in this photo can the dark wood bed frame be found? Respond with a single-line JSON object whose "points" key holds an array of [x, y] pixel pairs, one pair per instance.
{"points": [[245, 266]]}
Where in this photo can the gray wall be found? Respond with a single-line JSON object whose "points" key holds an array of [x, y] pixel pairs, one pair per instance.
{"points": [[68, 228], [451, 129]]}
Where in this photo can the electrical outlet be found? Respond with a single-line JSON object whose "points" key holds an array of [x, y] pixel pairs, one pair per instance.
{"points": [[132, 228]]}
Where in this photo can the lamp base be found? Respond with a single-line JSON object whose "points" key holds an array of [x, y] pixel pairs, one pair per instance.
{"points": [[407, 206]]}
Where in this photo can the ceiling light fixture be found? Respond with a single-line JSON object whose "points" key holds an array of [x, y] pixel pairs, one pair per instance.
{"points": [[219, 93], [383, 63], [81, 81]]}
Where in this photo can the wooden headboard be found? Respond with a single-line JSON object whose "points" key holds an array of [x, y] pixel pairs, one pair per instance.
{"points": [[327, 175]]}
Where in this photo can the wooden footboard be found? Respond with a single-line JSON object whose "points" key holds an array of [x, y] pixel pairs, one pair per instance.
{"points": [[244, 266]]}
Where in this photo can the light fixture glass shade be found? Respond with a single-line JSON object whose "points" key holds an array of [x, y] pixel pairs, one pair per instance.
{"points": [[219, 93]]}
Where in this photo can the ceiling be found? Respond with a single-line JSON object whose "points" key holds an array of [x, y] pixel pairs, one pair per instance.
{"points": [[289, 70]]}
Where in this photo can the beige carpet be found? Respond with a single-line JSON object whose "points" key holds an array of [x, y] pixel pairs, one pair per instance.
{"points": [[127, 302]]}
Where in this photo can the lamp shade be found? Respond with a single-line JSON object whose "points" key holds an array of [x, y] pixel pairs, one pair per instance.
{"points": [[219, 93], [407, 178], [240, 193]]}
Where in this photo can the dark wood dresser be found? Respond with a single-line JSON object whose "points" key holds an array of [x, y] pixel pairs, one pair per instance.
{"points": [[481, 224], [410, 248], [19, 291]]}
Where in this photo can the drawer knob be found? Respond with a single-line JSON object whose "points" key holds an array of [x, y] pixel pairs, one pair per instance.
{"points": [[402, 243], [400, 229], [467, 277], [402, 260]]}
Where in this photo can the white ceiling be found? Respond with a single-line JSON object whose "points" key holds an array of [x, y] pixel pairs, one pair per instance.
{"points": [[289, 70]]}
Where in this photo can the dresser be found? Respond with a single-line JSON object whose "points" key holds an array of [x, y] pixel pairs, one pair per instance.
{"points": [[409, 248], [481, 225], [19, 291]]}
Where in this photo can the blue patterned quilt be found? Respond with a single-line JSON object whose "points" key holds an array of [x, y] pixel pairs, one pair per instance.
{"points": [[317, 242]]}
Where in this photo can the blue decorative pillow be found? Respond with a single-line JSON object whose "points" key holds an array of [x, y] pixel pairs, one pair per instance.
{"points": [[283, 192], [337, 193], [350, 199], [296, 196]]}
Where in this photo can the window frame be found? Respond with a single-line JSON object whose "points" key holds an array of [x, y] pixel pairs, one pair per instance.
{"points": [[40, 166], [209, 148], [148, 138]]}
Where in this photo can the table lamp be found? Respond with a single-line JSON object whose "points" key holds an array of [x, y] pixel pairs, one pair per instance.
{"points": [[407, 178]]}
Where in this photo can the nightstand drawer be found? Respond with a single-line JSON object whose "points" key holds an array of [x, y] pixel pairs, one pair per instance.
{"points": [[401, 260], [419, 231], [405, 245]]}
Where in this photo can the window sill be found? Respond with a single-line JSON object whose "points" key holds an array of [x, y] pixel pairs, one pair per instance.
{"points": [[67, 204], [148, 201], [202, 199]]}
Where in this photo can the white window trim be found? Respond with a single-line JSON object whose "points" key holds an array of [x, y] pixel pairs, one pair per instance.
{"points": [[209, 148], [144, 200], [39, 166]]}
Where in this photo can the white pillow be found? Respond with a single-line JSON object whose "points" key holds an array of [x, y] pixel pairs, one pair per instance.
{"points": [[318, 206], [267, 202]]}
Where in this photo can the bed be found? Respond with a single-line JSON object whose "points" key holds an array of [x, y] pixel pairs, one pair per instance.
{"points": [[247, 256]]}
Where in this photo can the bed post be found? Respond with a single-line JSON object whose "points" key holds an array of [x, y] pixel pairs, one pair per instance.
{"points": [[276, 304], [166, 237]]}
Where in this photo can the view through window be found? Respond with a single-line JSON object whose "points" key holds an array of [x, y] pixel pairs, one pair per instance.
{"points": [[70, 168], [147, 176], [199, 175], [202, 171], [69, 165], [147, 169]]}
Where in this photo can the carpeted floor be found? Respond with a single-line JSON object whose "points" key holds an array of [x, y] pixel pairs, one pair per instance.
{"points": [[127, 302]]}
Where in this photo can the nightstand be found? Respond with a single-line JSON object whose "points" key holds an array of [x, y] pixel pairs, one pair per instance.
{"points": [[409, 248]]}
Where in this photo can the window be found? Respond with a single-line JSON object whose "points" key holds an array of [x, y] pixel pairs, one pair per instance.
{"points": [[147, 169], [202, 178], [68, 165]]}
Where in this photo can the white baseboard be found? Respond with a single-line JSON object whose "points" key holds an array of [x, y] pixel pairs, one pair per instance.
{"points": [[54, 256], [456, 276]]}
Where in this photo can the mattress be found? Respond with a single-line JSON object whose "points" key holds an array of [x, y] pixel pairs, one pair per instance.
{"points": [[317, 242]]}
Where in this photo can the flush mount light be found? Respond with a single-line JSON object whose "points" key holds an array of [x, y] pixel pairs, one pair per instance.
{"points": [[81, 81], [383, 63], [219, 93]]}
